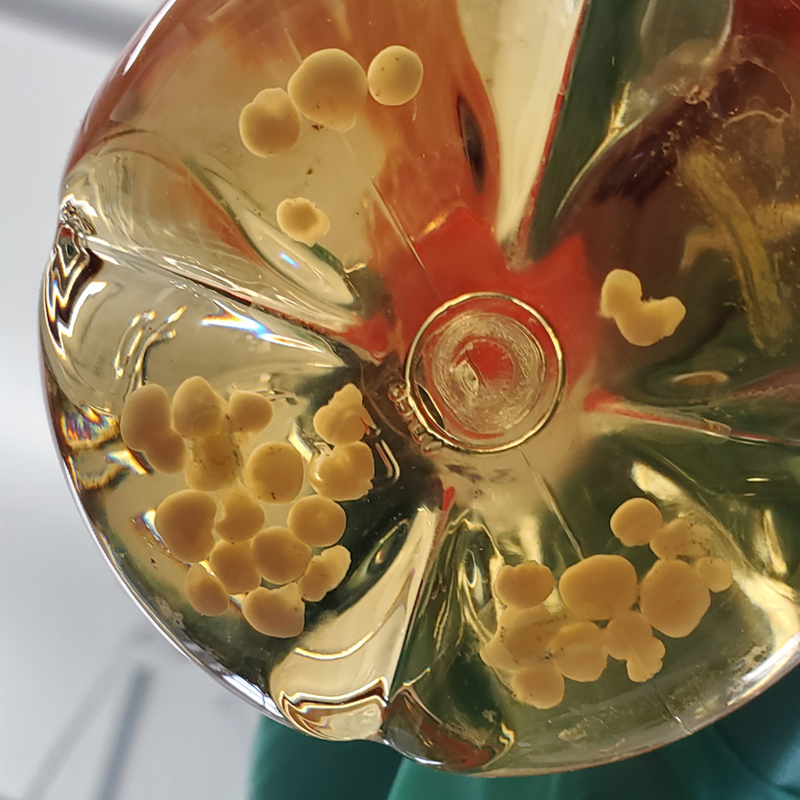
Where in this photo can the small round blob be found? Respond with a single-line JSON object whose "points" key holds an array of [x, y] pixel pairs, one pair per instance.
{"points": [[599, 587], [167, 454], [629, 637], [270, 124], [145, 416], [248, 412], [329, 88], [324, 573], [540, 685], [641, 322], [275, 612], [275, 472], [213, 463], [243, 516], [525, 585], [233, 565], [716, 573], [279, 555], [636, 521], [196, 409], [577, 652], [205, 593], [395, 76], [495, 655], [526, 633], [344, 474], [673, 598], [317, 521], [302, 221], [185, 521], [681, 538]]}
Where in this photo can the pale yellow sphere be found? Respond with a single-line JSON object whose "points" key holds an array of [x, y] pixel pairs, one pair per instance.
{"points": [[279, 555], [540, 685], [317, 521], [270, 124], [197, 409], [248, 412], [233, 565], [599, 587], [275, 612], [185, 521], [577, 652], [525, 585], [302, 221], [329, 88], [243, 516], [145, 416], [673, 598], [395, 76], [275, 472], [636, 521], [205, 593]]}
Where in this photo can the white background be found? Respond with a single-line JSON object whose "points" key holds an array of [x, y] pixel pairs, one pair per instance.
{"points": [[94, 703]]}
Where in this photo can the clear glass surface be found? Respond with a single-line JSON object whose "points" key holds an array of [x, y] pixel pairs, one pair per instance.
{"points": [[459, 287]]}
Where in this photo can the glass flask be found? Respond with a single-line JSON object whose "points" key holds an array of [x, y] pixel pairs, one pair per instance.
{"points": [[531, 333]]}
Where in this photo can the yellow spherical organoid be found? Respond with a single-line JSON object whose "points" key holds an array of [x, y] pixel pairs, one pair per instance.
{"points": [[395, 75], [540, 685], [317, 521], [621, 290], [526, 634], [344, 474], [636, 521], [525, 585], [270, 124], [680, 538], [641, 322], [168, 453], [629, 637], [329, 88], [185, 521], [274, 471], [279, 555], [302, 221], [599, 587], [242, 516], [324, 573], [625, 633], [248, 412], [344, 420], [205, 593], [647, 661], [275, 612], [233, 565], [213, 463], [197, 409], [673, 598], [577, 652], [495, 655], [716, 573], [145, 416]]}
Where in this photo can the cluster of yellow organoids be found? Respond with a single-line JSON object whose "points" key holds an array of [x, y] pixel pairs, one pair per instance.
{"points": [[216, 525], [641, 322], [545, 635], [329, 89]]}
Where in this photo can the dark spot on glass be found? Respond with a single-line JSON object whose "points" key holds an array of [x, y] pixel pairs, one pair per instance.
{"points": [[473, 144]]}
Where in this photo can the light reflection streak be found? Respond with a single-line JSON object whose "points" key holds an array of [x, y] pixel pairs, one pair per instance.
{"points": [[127, 460], [228, 318], [144, 38]]}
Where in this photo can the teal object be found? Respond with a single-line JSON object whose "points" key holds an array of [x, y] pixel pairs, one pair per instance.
{"points": [[754, 754]]}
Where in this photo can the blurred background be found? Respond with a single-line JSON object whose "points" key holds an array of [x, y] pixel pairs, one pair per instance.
{"points": [[94, 703]]}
